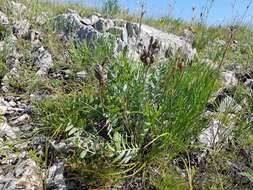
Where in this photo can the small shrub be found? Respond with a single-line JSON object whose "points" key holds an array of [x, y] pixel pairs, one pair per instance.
{"points": [[140, 113]]}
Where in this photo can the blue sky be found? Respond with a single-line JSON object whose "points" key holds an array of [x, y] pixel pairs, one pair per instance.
{"points": [[222, 11]]}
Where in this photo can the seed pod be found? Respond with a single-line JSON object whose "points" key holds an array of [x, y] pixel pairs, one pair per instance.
{"points": [[100, 74], [148, 60], [150, 43], [147, 55], [180, 66]]}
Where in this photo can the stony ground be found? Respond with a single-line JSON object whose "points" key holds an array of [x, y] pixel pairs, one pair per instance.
{"points": [[29, 64]]}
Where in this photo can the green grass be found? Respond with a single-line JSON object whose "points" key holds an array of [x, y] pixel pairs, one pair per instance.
{"points": [[3, 69], [141, 113], [142, 118]]}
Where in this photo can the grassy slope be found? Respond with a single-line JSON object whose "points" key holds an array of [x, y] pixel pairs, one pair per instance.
{"points": [[151, 120]]}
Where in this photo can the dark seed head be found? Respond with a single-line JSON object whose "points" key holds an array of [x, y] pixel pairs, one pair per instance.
{"points": [[100, 74], [147, 55]]}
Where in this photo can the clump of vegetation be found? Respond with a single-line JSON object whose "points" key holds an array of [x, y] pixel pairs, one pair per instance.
{"points": [[111, 7], [131, 116], [129, 120], [3, 69]]}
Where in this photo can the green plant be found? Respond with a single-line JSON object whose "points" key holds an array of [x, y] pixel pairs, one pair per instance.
{"points": [[249, 175], [139, 112], [111, 7], [170, 180], [84, 57], [3, 69], [133, 120], [23, 80]]}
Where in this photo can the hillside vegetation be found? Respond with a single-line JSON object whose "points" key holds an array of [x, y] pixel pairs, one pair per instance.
{"points": [[101, 99]]}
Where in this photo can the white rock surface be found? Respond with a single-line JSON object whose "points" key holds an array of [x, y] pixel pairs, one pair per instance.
{"points": [[228, 79], [21, 28], [8, 131], [55, 177], [81, 75], [25, 176], [249, 83], [169, 42], [229, 105], [217, 132], [72, 25], [44, 60], [3, 19], [210, 136]]}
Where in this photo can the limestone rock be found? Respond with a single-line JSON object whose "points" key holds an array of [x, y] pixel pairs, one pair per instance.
{"points": [[209, 135], [228, 79], [35, 37], [217, 131], [20, 119], [249, 83], [81, 75], [55, 177], [7, 131], [94, 18], [188, 36], [43, 60], [25, 176], [168, 41], [103, 24], [21, 28], [9, 108], [4, 21], [229, 105], [125, 34]]}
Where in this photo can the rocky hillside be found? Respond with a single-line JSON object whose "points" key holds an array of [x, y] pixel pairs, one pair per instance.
{"points": [[91, 102]]}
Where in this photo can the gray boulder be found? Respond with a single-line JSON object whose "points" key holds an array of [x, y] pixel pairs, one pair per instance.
{"points": [[8, 132], [81, 75], [228, 79], [218, 131], [103, 24], [55, 177], [11, 107], [25, 176], [3, 19], [43, 60], [94, 18], [125, 34], [73, 26], [168, 42], [21, 28], [209, 136], [35, 37], [249, 83]]}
